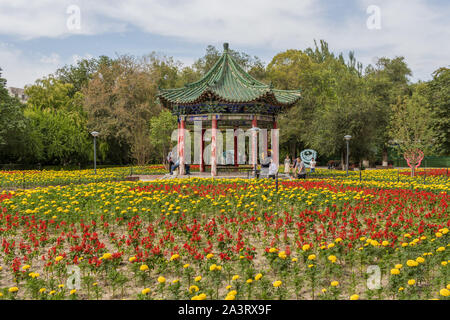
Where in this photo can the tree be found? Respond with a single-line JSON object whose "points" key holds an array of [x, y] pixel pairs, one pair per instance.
{"points": [[161, 128], [335, 102], [387, 81], [411, 126], [120, 100], [439, 98], [13, 125]]}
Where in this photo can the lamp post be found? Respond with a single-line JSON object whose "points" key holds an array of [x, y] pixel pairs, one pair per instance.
{"points": [[347, 140], [95, 134]]}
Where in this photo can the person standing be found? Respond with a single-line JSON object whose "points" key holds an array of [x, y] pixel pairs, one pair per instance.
{"points": [[287, 165], [170, 161], [300, 169], [312, 165], [273, 169]]}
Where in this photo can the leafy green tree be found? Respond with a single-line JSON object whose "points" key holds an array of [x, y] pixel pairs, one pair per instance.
{"points": [[387, 80], [161, 128], [120, 100], [439, 97], [411, 125], [13, 125]]}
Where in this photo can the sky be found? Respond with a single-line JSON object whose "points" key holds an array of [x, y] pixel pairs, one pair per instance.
{"points": [[39, 36]]}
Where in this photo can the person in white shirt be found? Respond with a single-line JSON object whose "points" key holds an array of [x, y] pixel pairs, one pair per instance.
{"points": [[287, 165], [312, 164], [273, 169]]}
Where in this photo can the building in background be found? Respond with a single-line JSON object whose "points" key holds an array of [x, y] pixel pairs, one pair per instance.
{"points": [[19, 93]]}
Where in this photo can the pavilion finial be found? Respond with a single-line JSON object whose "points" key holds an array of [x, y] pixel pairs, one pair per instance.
{"points": [[225, 46]]}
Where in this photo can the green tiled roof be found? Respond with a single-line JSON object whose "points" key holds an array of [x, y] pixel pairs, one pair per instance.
{"points": [[227, 82]]}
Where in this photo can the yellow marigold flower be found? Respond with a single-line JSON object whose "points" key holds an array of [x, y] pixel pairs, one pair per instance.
{"points": [[412, 263], [60, 286], [132, 259], [176, 281], [193, 289], [385, 243], [232, 292], [145, 291], [277, 283], [144, 267], [212, 267], [354, 297], [331, 245], [306, 247], [258, 276], [230, 297], [209, 256], [219, 268], [338, 240], [324, 290], [161, 279], [312, 257], [186, 265], [420, 260], [272, 250], [107, 256], [398, 266], [174, 257], [201, 296], [444, 292], [26, 267], [13, 289], [310, 265], [448, 286], [334, 283], [411, 282], [444, 263], [198, 278], [59, 258], [52, 292], [294, 260], [401, 289], [228, 287], [282, 255], [73, 291], [438, 234], [395, 271], [332, 258], [235, 277], [42, 290], [440, 249]]}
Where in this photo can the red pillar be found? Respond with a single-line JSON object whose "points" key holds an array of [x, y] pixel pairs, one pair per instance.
{"points": [[202, 146], [181, 143], [213, 147], [254, 142], [274, 140], [235, 149]]}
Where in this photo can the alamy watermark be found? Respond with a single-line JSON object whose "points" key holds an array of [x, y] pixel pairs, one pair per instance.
{"points": [[73, 21], [373, 22]]}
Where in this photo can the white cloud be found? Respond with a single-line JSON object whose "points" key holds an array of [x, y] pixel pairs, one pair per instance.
{"points": [[416, 29]]}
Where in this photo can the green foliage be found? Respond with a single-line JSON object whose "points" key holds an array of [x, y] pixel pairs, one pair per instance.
{"points": [[161, 128], [439, 99], [411, 124]]}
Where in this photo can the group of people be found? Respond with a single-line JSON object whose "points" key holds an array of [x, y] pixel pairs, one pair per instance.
{"points": [[298, 167], [174, 163]]}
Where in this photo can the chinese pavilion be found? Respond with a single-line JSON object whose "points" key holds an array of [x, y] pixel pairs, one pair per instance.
{"points": [[226, 97]]}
